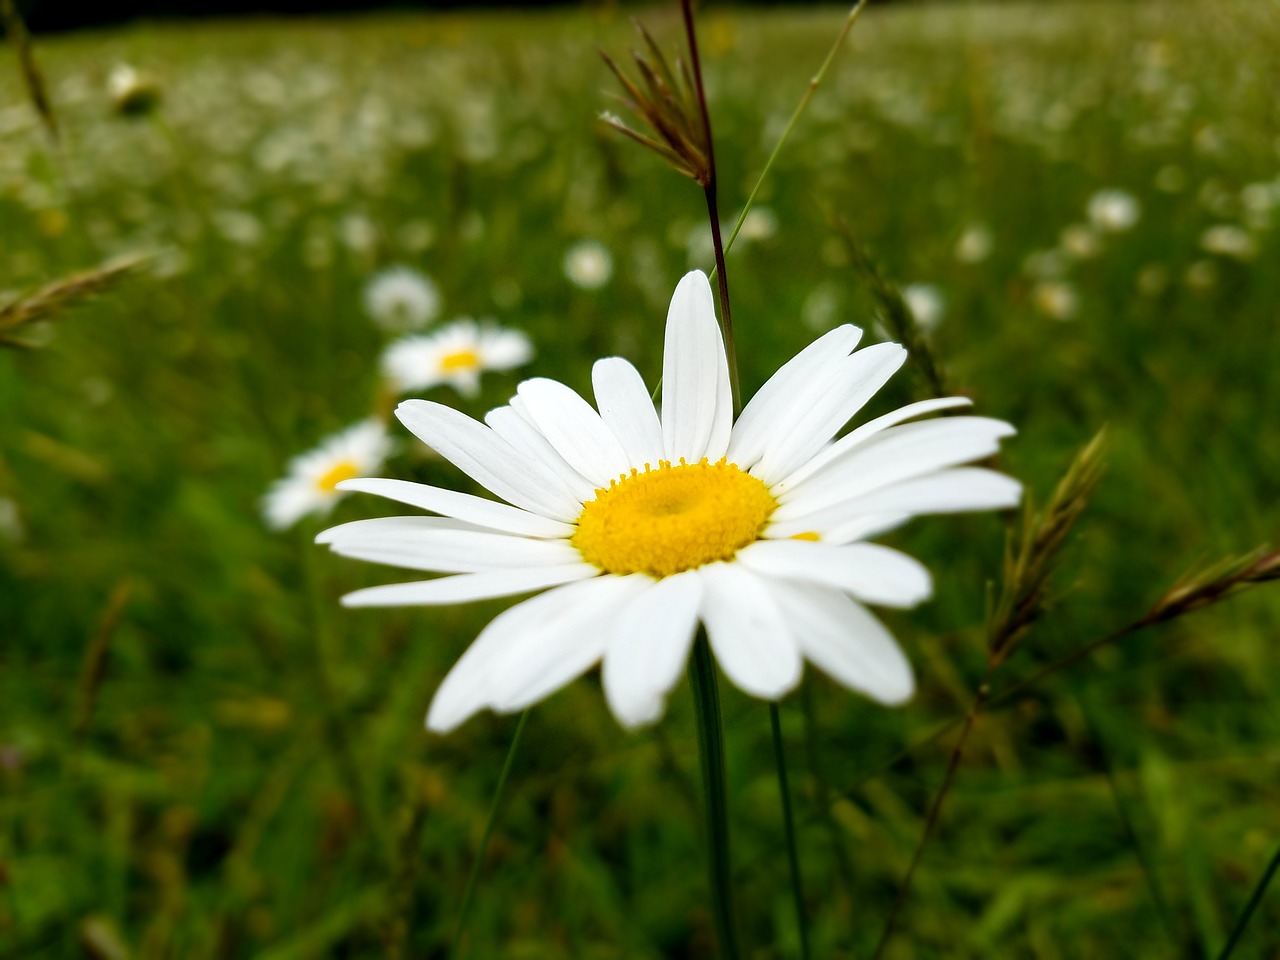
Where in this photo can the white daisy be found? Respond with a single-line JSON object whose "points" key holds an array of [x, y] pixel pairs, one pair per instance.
{"points": [[401, 298], [311, 483], [925, 302], [588, 264], [640, 524], [1114, 211], [456, 355]]}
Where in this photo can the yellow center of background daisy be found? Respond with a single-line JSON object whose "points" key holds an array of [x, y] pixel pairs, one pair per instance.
{"points": [[460, 360], [343, 470], [674, 518]]}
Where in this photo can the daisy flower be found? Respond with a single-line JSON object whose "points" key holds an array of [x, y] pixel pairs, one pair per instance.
{"points": [[455, 355], [401, 298], [641, 523], [311, 483], [588, 264]]}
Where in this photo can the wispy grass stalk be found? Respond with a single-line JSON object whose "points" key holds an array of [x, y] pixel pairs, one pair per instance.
{"points": [[32, 77], [814, 82], [1251, 907], [52, 299], [94, 670], [1023, 597], [897, 316], [494, 806]]}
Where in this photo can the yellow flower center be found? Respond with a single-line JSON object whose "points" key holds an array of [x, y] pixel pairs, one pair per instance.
{"points": [[460, 360], [342, 470], [674, 518]]}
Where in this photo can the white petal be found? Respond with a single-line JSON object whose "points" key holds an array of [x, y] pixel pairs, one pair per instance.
{"points": [[648, 647], [859, 377], [869, 571], [508, 423], [443, 545], [960, 490], [898, 454], [463, 506], [466, 587], [863, 433], [748, 633], [780, 401], [626, 409], [488, 459], [532, 649], [575, 430], [697, 404], [846, 642]]}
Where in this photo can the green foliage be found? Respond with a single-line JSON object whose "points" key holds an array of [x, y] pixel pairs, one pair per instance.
{"points": [[181, 776]]}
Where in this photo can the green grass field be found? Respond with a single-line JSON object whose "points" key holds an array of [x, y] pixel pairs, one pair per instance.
{"points": [[203, 755]]}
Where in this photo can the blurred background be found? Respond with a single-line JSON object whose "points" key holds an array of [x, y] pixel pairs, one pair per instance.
{"points": [[203, 755]]}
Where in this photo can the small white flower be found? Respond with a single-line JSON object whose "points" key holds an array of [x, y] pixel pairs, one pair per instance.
{"points": [[311, 482], [132, 92], [455, 355], [401, 298], [640, 524], [760, 223], [1056, 299], [1114, 211], [11, 528], [588, 264], [926, 304], [975, 243], [1228, 240]]}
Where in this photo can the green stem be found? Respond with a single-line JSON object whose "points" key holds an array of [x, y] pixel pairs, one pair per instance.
{"points": [[814, 82], [706, 703], [788, 820], [494, 806]]}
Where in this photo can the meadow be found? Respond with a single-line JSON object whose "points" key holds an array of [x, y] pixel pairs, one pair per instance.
{"points": [[202, 754]]}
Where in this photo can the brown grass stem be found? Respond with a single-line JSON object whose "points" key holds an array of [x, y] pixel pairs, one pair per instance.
{"points": [[935, 811]]}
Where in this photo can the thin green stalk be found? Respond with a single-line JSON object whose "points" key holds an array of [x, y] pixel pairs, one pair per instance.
{"points": [[706, 703], [494, 806], [333, 719], [1254, 899], [793, 854], [814, 82]]}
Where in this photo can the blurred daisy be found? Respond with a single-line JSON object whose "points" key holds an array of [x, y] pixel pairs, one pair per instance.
{"points": [[455, 355], [401, 298], [925, 302], [640, 524], [974, 244], [1056, 299], [1080, 242], [588, 264], [760, 223], [132, 92], [1113, 211], [311, 484], [1228, 240]]}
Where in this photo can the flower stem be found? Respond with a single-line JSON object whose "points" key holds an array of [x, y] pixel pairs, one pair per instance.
{"points": [[494, 806], [713, 213], [788, 820], [706, 703]]}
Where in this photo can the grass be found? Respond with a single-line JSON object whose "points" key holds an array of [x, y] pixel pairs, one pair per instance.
{"points": [[200, 789]]}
